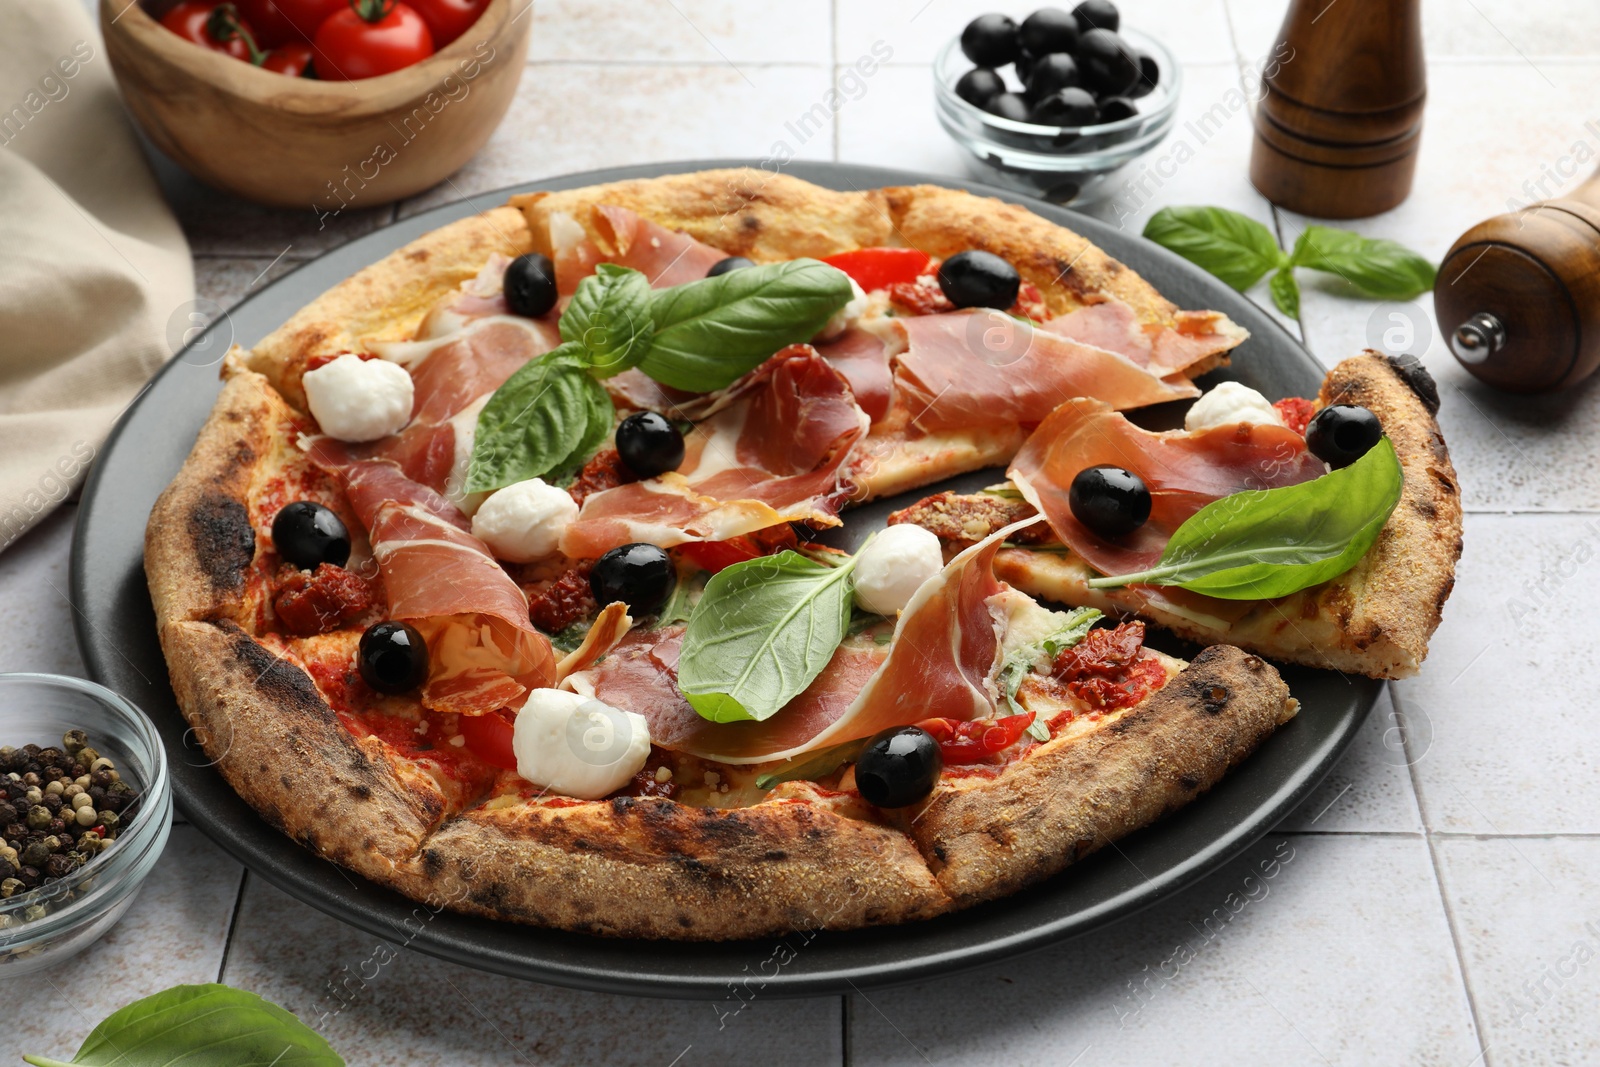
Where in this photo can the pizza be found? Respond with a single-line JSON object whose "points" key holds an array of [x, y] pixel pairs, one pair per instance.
{"points": [[494, 575]]}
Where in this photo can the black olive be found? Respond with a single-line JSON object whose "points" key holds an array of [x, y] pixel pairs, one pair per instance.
{"points": [[1340, 434], [1054, 71], [530, 285], [649, 444], [979, 280], [1047, 30], [1024, 65], [393, 657], [1065, 107], [1109, 501], [1101, 14], [1109, 66], [723, 266], [990, 40], [1008, 106], [1117, 108], [640, 575], [977, 85], [1149, 77], [305, 533], [899, 766]]}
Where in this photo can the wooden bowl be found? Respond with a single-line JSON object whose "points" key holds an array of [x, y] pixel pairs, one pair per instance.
{"points": [[326, 145]]}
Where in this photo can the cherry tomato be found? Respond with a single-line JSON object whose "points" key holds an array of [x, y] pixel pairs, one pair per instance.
{"points": [[489, 738], [293, 59], [448, 19], [713, 556], [369, 38], [970, 742], [280, 21], [214, 26], [879, 268]]}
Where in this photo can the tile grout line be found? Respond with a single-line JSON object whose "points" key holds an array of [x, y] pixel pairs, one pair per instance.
{"points": [[1438, 881], [233, 924]]}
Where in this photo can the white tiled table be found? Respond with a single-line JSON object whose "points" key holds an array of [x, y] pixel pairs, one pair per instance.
{"points": [[1437, 902]]}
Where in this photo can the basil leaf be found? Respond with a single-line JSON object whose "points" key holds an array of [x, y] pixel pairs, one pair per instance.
{"points": [[1269, 543], [762, 631], [1378, 267], [812, 765], [1234, 247], [1020, 662], [1286, 292], [201, 1026], [609, 316], [544, 422], [712, 331]]}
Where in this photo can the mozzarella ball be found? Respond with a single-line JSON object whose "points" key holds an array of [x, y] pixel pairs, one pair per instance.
{"points": [[357, 399], [576, 745], [893, 566], [523, 522], [1229, 404], [846, 316]]}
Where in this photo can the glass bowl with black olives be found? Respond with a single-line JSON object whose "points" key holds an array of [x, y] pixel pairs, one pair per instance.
{"points": [[85, 809], [1057, 103]]}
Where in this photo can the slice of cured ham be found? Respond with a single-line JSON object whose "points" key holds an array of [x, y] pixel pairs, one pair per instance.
{"points": [[863, 359], [941, 662], [769, 449], [1184, 471], [484, 654], [1163, 350], [451, 375], [968, 369], [666, 257]]}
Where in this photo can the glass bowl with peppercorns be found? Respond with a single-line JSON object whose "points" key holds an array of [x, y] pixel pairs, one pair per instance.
{"points": [[85, 807], [1057, 104]]}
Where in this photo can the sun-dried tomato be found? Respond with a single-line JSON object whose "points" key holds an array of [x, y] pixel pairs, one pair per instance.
{"points": [[1296, 412], [319, 601], [1108, 669], [971, 742], [564, 601]]}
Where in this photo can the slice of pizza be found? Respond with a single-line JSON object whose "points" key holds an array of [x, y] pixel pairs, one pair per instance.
{"points": [[1323, 532]]}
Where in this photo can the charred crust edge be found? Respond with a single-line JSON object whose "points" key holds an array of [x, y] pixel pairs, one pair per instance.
{"points": [[224, 541]]}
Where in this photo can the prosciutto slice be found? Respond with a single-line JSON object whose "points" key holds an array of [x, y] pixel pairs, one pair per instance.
{"points": [[449, 378], [941, 662], [1162, 350], [863, 359], [978, 368], [666, 257], [1184, 471], [484, 654], [769, 449]]}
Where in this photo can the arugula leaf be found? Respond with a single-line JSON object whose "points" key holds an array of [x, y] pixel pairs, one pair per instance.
{"points": [[1269, 543], [1286, 292], [544, 422], [1378, 267], [1234, 247], [201, 1026], [1020, 662], [762, 631], [609, 316], [712, 331]]}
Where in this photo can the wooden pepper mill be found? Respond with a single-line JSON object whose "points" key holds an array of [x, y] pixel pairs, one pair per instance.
{"points": [[1340, 118], [1518, 295]]}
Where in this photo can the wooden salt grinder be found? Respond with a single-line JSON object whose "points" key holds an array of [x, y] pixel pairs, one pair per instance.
{"points": [[1340, 117], [1518, 295]]}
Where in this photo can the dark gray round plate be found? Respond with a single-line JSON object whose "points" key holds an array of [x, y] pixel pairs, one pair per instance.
{"points": [[116, 631]]}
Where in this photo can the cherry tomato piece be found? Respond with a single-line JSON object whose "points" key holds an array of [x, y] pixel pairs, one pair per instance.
{"points": [[281, 21], [292, 59], [713, 556], [369, 38], [971, 742], [211, 25], [489, 738], [879, 268], [271, 27], [448, 19]]}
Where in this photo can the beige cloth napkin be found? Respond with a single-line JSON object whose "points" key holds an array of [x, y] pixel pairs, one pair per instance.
{"points": [[93, 267]]}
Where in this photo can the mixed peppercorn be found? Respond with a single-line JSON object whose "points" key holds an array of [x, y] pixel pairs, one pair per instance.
{"points": [[59, 808]]}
